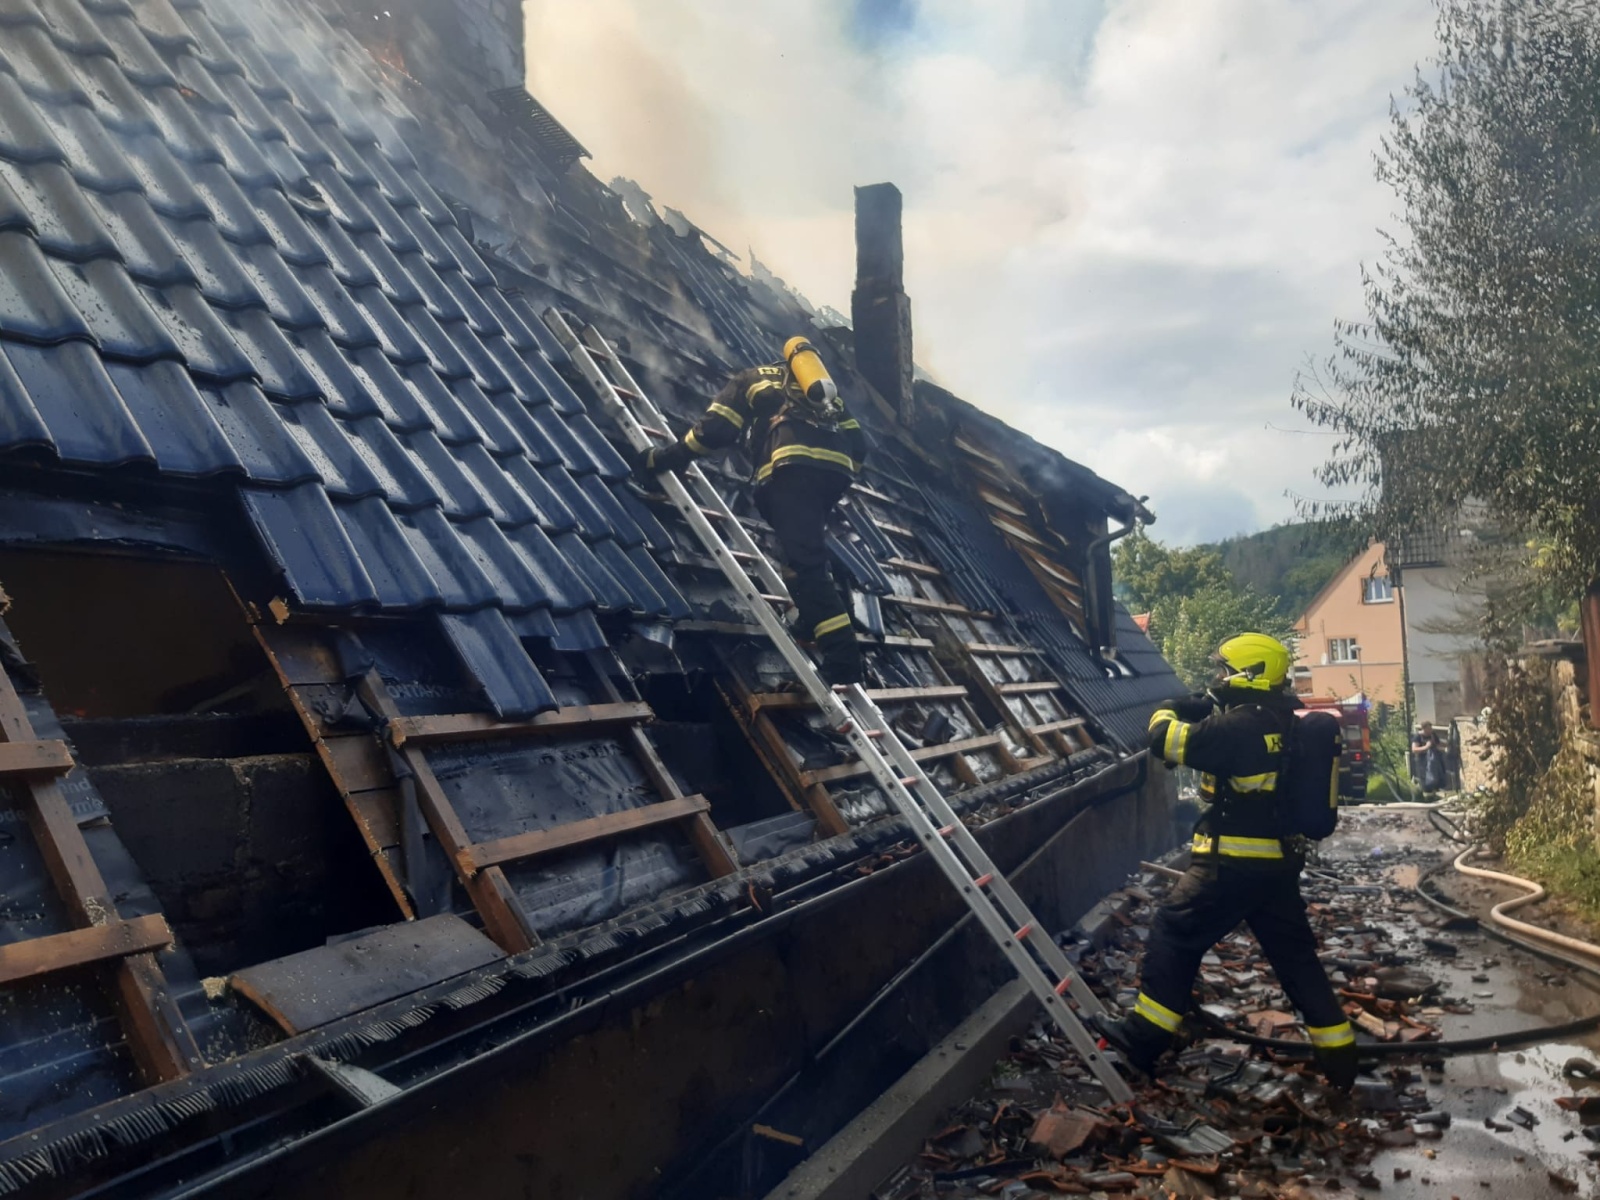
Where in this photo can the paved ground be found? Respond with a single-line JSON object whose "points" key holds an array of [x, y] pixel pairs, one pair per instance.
{"points": [[1507, 1137]]}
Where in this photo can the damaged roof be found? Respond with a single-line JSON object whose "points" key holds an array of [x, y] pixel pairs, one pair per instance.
{"points": [[207, 274]]}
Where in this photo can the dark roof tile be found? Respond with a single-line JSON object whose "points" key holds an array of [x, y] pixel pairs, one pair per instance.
{"points": [[95, 159], [73, 29], [674, 605], [343, 204], [390, 272], [396, 400], [344, 471], [492, 428], [291, 235], [489, 649], [566, 588], [88, 421], [456, 493], [114, 98], [398, 575], [444, 354], [284, 372], [258, 435], [136, 56], [466, 255], [536, 623], [529, 435], [40, 67], [307, 544], [25, 136], [465, 295], [507, 504], [167, 183], [215, 265], [641, 596], [618, 522], [394, 335], [278, 286], [207, 344], [176, 420], [162, 24], [249, 109], [33, 305], [430, 288], [242, 156], [230, 208], [179, 126], [346, 260], [608, 593], [448, 419], [346, 323], [449, 563], [21, 425], [554, 513], [141, 238], [116, 311], [405, 484], [514, 584]]}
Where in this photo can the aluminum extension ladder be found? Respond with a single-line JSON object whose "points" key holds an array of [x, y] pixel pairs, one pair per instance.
{"points": [[1002, 913]]}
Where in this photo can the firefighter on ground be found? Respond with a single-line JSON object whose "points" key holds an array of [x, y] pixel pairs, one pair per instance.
{"points": [[807, 450], [1241, 870]]}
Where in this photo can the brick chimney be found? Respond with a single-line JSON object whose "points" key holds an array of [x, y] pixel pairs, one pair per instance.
{"points": [[879, 306]]}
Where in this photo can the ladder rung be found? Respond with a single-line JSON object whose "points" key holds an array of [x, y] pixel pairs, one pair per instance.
{"points": [[658, 433], [622, 391], [908, 781], [983, 880], [1022, 933], [947, 830], [1064, 987], [783, 600], [716, 514]]}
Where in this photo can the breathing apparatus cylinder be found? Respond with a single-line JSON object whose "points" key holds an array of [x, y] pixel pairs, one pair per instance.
{"points": [[805, 364]]}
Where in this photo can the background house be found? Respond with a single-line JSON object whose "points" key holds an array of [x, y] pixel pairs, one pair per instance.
{"points": [[1350, 634], [1441, 614]]}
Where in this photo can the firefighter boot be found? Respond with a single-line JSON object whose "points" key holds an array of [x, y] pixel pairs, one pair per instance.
{"points": [[1339, 1065], [1139, 1042]]}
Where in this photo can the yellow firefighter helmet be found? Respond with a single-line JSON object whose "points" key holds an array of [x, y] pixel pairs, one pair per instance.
{"points": [[1254, 661]]}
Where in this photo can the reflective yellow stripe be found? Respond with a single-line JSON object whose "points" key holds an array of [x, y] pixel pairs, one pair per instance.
{"points": [[832, 625], [1331, 1037], [1160, 715], [695, 444], [1177, 739], [1265, 782], [1333, 785], [761, 385], [1239, 847], [731, 415], [832, 456], [828, 456], [1157, 1014], [852, 423]]}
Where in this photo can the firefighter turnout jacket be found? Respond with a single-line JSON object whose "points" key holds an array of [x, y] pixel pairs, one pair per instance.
{"points": [[1238, 751], [779, 424]]}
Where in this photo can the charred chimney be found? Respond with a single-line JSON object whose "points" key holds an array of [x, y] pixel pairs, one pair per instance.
{"points": [[879, 306]]}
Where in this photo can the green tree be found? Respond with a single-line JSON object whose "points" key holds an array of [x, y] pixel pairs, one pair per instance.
{"points": [[1148, 572], [1475, 375]]}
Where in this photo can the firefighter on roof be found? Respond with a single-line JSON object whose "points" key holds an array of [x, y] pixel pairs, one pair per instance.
{"points": [[1242, 868], [807, 450]]}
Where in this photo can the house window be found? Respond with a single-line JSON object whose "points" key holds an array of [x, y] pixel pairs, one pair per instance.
{"points": [[1376, 589], [1343, 650]]}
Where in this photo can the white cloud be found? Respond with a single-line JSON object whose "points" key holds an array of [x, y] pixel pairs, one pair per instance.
{"points": [[1126, 225]]}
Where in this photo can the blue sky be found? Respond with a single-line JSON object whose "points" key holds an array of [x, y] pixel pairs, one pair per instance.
{"points": [[1128, 222]]}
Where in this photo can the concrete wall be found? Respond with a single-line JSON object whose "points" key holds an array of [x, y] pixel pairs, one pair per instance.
{"points": [[1340, 611]]}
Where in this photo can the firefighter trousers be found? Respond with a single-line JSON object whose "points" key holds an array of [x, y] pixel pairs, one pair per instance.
{"points": [[796, 500], [1206, 905]]}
